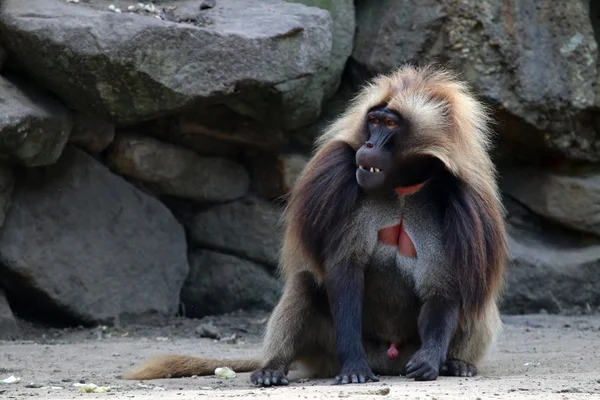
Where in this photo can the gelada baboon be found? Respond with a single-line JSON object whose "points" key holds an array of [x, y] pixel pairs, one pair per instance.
{"points": [[394, 247]]}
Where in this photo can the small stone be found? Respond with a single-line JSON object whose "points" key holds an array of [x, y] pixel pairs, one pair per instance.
{"points": [[208, 330], [231, 339], [206, 4], [33, 385]]}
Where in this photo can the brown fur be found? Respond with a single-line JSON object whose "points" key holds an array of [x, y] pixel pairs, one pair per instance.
{"points": [[328, 237], [176, 366]]}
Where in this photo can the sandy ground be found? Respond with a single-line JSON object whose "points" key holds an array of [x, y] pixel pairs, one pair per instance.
{"points": [[537, 357]]}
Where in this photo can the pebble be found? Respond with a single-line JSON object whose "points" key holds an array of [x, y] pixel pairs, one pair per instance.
{"points": [[206, 4], [208, 330]]}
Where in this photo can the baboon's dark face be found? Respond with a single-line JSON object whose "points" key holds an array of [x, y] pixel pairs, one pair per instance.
{"points": [[381, 166]]}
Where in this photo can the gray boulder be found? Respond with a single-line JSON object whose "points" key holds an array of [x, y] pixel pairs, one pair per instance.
{"points": [[90, 247], [552, 271], [224, 125], [390, 33], [538, 73], [128, 67], [34, 128], [9, 329], [168, 130], [344, 23], [91, 133], [304, 138], [302, 99], [221, 283], [177, 171], [572, 200], [248, 228], [274, 175]]}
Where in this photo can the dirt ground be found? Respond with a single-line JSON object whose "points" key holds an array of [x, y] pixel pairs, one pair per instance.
{"points": [[537, 357]]}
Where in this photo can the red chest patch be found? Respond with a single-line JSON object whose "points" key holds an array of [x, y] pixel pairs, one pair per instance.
{"points": [[396, 235]]}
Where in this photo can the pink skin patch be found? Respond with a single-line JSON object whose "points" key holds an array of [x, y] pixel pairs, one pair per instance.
{"points": [[392, 352], [396, 235]]}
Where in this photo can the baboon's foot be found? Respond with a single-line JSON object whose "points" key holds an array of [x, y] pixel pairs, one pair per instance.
{"points": [[455, 367], [269, 377]]}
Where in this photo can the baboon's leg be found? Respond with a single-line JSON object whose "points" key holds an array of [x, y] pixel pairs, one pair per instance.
{"points": [[345, 289], [437, 322], [470, 344], [289, 331]]}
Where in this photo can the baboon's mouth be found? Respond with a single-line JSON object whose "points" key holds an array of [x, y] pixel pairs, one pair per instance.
{"points": [[369, 169]]}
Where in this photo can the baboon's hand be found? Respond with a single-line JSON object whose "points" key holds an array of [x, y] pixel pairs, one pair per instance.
{"points": [[355, 372], [423, 366], [269, 377]]}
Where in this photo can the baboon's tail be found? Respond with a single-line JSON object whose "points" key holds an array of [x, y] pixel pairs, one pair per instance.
{"points": [[178, 366]]}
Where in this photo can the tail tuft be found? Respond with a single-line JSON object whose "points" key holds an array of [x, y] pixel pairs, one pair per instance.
{"points": [[178, 366]]}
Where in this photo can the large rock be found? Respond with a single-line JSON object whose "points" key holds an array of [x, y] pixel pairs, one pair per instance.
{"points": [[34, 128], [168, 130], [221, 283], [222, 124], [571, 200], [177, 171], [249, 228], [91, 133], [538, 72], [343, 16], [127, 67], [552, 271], [390, 33], [303, 98], [83, 243], [304, 138], [9, 329], [274, 175]]}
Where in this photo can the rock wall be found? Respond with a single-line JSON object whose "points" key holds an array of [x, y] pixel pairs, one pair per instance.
{"points": [[145, 150]]}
